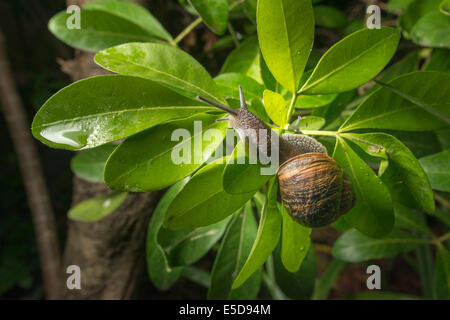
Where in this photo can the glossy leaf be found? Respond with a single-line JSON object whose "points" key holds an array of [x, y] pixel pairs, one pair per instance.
{"points": [[295, 242], [233, 251], [362, 54], [276, 107], [97, 110], [158, 157], [286, 34], [98, 30], [239, 169], [228, 84], [408, 169], [133, 13], [437, 168], [213, 12], [373, 212], [329, 276], [432, 30], [90, 164], [245, 59], [353, 246], [159, 271], [267, 238], [203, 201], [185, 247], [165, 64], [385, 109], [95, 209]]}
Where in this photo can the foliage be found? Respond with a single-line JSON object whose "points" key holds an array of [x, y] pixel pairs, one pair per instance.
{"points": [[374, 136]]}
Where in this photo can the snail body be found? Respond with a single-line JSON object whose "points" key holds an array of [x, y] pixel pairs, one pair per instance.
{"points": [[314, 190]]}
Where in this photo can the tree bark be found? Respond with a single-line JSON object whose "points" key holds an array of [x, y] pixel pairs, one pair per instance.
{"points": [[110, 252], [32, 176]]}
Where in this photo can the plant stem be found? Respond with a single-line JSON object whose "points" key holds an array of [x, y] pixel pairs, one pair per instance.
{"points": [[444, 237], [321, 133], [186, 31], [233, 34], [291, 109]]}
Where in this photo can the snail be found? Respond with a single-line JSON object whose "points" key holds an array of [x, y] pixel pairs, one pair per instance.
{"points": [[314, 190]]}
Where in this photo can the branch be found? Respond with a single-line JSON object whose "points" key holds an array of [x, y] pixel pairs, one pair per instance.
{"points": [[37, 194]]}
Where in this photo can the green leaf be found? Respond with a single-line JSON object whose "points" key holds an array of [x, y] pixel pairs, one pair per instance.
{"points": [[398, 5], [267, 77], [276, 107], [286, 34], [432, 30], [409, 171], [168, 65], [335, 108], [95, 209], [439, 60], [353, 246], [442, 273], [185, 247], [407, 218], [437, 168], [295, 242], [311, 123], [445, 7], [159, 271], [239, 169], [213, 12], [298, 285], [329, 276], [306, 102], [132, 13], [233, 251], [415, 12], [250, 9], [97, 110], [406, 65], [329, 17], [420, 143], [98, 30], [197, 275], [385, 109], [158, 157], [203, 201], [228, 84], [362, 54], [245, 59], [90, 164], [373, 212], [267, 238]]}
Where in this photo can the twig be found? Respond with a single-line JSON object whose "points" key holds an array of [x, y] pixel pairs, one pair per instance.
{"points": [[38, 198], [186, 31]]}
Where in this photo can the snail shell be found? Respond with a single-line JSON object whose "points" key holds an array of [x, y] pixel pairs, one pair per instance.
{"points": [[315, 191]]}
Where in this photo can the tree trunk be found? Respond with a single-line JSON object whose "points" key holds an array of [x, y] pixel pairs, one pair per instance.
{"points": [[110, 252]]}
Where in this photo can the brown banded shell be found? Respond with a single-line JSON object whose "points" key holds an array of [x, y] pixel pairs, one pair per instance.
{"points": [[315, 191]]}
